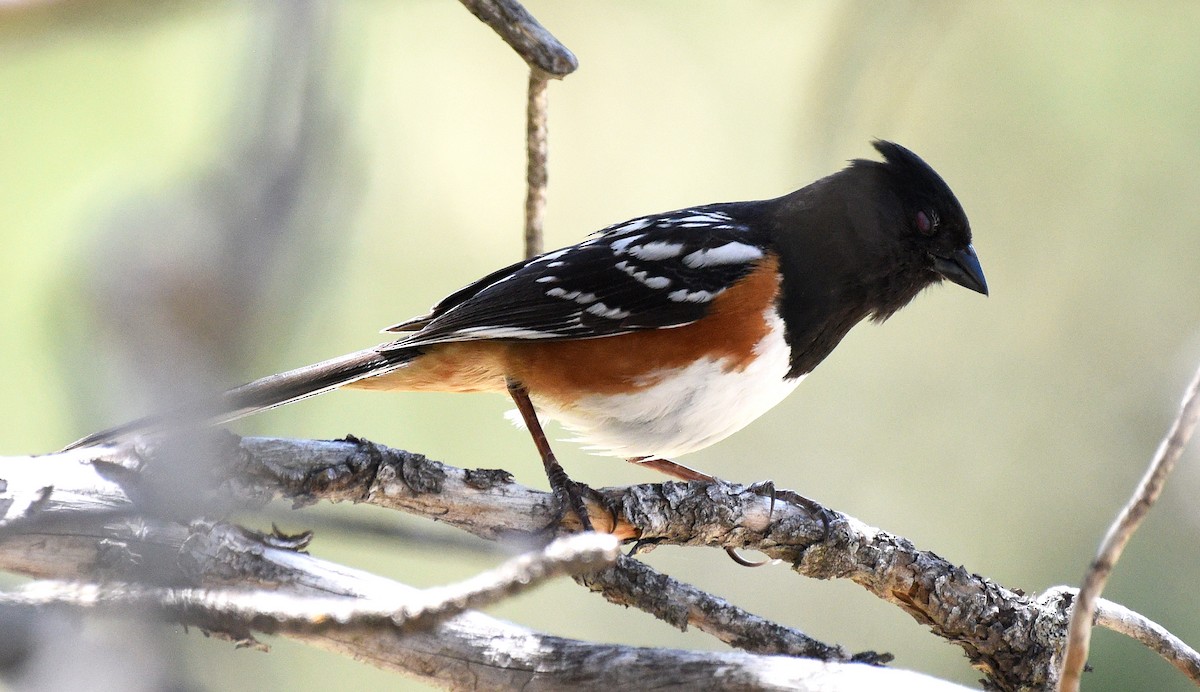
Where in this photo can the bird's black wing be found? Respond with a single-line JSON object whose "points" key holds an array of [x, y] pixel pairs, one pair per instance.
{"points": [[650, 272]]}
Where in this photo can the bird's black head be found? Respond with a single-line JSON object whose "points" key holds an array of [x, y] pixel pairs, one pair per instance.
{"points": [[933, 232], [862, 243]]}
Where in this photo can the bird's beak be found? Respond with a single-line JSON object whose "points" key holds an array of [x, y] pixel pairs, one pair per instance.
{"points": [[963, 269]]}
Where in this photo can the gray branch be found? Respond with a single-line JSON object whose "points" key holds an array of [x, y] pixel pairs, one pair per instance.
{"points": [[283, 611], [1154, 636], [633, 583], [473, 651], [525, 35], [1016, 640], [1123, 527], [198, 574]]}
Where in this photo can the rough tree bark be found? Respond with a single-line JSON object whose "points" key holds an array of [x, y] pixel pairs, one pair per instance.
{"points": [[82, 516]]}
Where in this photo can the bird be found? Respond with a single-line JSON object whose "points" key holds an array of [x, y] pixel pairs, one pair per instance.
{"points": [[666, 333]]}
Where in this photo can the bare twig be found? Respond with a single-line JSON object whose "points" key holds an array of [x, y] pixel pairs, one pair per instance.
{"points": [[276, 611], [536, 46], [634, 583], [1016, 640], [537, 153], [569, 555], [478, 652], [1118, 618], [470, 650], [1002, 632], [1122, 530]]}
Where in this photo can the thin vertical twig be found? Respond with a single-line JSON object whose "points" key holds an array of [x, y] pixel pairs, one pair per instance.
{"points": [[548, 59], [1127, 522], [536, 151]]}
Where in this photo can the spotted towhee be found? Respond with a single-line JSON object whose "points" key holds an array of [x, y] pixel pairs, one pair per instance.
{"points": [[661, 335]]}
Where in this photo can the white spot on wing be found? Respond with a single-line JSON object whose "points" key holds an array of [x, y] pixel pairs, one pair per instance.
{"points": [[577, 296], [602, 310], [630, 226], [729, 253], [642, 276], [685, 296], [618, 246], [546, 279], [658, 250]]}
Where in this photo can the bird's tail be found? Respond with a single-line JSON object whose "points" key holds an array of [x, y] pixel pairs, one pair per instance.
{"points": [[260, 395]]}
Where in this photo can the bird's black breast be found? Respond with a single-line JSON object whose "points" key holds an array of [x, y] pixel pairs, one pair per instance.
{"points": [[838, 263]]}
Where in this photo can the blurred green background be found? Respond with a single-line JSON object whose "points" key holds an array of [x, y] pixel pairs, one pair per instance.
{"points": [[371, 154]]}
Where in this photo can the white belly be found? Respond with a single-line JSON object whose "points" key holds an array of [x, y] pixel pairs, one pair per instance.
{"points": [[688, 410]]}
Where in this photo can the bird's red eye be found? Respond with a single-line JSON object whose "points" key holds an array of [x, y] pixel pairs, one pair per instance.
{"points": [[926, 222]]}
